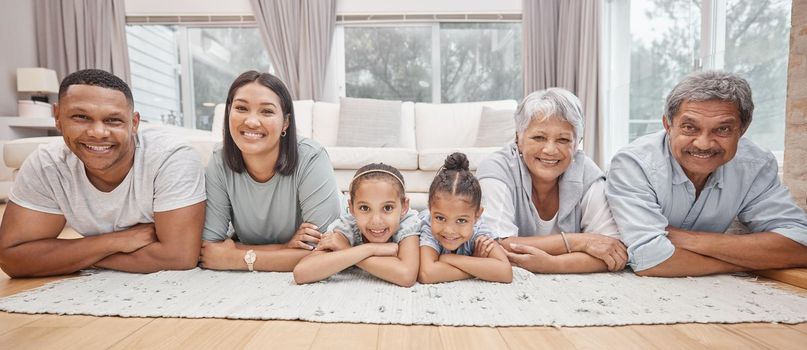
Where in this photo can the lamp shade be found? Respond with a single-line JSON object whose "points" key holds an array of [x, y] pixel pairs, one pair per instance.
{"points": [[40, 80]]}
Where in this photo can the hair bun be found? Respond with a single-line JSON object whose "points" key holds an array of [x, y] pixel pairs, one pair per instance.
{"points": [[456, 161]]}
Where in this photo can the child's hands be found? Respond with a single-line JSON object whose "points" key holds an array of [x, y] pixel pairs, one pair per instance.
{"points": [[483, 245], [306, 233], [385, 249], [333, 241]]}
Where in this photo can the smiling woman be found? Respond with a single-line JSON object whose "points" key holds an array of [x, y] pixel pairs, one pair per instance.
{"points": [[541, 187], [276, 191]]}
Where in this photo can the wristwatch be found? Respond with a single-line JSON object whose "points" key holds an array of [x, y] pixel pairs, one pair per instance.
{"points": [[250, 258]]}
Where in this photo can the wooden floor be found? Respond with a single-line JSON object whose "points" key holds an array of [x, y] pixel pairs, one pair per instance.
{"points": [[20, 331]]}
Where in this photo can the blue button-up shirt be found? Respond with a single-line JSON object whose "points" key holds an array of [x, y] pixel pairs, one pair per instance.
{"points": [[648, 190]]}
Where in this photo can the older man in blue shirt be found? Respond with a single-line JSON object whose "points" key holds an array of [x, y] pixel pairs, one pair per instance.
{"points": [[673, 193]]}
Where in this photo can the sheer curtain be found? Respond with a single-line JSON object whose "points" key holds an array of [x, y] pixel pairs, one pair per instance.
{"points": [[561, 49], [297, 34], [81, 34]]}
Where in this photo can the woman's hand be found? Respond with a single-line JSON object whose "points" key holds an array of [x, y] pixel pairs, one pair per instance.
{"points": [[222, 255], [610, 250], [307, 233], [483, 245], [333, 241], [528, 257]]}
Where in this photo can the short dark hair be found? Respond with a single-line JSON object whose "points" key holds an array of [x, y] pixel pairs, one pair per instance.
{"points": [[455, 177], [379, 171], [96, 77], [708, 86], [287, 160]]}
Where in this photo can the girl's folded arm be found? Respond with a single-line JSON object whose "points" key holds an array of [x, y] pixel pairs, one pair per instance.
{"points": [[402, 269], [433, 270]]}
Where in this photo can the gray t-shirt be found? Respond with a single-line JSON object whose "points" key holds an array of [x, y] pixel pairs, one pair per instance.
{"points": [[166, 175], [270, 212]]}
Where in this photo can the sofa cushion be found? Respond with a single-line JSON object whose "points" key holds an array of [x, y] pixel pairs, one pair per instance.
{"points": [[15, 151], [433, 159], [451, 124], [365, 122], [303, 115], [356, 157], [416, 180], [497, 127]]}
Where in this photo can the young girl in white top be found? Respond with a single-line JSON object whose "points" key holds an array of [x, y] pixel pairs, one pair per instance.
{"points": [[454, 244], [379, 234]]}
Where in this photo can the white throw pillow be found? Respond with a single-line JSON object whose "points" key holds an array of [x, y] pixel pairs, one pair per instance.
{"points": [[497, 127], [369, 123]]}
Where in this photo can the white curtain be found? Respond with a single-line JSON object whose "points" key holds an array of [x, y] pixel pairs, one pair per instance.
{"points": [[561, 49], [297, 34], [80, 34]]}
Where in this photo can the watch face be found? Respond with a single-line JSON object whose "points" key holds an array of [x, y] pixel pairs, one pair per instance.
{"points": [[249, 257]]}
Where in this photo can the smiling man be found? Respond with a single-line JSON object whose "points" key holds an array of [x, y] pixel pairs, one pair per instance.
{"points": [[675, 192], [138, 198]]}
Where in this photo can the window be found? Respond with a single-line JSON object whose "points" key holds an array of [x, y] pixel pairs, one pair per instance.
{"points": [[180, 73], [667, 40], [437, 62]]}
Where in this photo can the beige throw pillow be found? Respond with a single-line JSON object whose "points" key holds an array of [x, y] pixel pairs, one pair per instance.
{"points": [[497, 127], [365, 122]]}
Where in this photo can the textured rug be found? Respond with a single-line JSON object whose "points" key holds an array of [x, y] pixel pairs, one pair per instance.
{"points": [[356, 297]]}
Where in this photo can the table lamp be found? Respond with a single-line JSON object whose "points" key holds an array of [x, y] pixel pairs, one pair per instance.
{"points": [[39, 82]]}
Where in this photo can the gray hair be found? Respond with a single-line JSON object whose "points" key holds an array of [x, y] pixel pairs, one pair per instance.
{"points": [[708, 86], [551, 103]]}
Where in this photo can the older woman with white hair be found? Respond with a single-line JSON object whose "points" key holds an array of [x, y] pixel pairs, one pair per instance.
{"points": [[545, 198]]}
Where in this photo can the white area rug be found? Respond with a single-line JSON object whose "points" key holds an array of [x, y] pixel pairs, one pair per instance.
{"points": [[354, 296]]}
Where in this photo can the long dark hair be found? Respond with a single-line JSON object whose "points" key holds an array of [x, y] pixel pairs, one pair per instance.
{"points": [[287, 159]]}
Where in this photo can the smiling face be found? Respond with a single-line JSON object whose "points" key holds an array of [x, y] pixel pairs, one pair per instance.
{"points": [[99, 127], [452, 219], [378, 209], [703, 136], [257, 121], [547, 146]]}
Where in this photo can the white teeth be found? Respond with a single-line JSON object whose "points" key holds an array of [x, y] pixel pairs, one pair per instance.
{"points": [[252, 134], [701, 155], [98, 148], [549, 161]]}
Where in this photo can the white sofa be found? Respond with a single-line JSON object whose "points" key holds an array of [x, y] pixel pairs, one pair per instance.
{"points": [[429, 132]]}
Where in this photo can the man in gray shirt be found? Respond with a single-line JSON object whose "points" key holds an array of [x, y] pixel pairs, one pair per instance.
{"points": [[673, 193], [138, 198]]}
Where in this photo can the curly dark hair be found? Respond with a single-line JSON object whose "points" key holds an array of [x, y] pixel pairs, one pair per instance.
{"points": [[96, 77], [455, 178]]}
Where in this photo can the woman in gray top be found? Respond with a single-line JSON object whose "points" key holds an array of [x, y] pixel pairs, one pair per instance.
{"points": [[541, 187], [275, 190]]}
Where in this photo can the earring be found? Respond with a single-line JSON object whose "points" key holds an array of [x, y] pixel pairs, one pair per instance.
{"points": [[283, 133]]}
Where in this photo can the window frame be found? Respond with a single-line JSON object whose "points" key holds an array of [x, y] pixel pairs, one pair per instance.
{"points": [[615, 61]]}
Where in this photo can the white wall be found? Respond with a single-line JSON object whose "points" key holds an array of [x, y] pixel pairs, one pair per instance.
{"points": [[242, 7], [18, 43]]}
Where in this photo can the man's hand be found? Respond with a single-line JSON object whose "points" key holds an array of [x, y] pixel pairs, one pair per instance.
{"points": [[333, 241], [136, 237], [680, 238], [307, 233], [222, 255], [528, 257], [483, 245], [610, 250]]}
